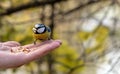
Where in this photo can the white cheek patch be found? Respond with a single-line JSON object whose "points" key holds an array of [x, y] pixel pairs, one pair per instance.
{"points": [[41, 30], [37, 25]]}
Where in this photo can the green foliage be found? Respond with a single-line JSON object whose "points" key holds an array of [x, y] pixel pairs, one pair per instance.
{"points": [[95, 40], [65, 58], [6, 32], [24, 35], [17, 33], [101, 34], [84, 35]]}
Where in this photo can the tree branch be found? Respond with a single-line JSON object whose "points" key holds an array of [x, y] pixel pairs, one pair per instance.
{"points": [[82, 6], [113, 66], [28, 5]]}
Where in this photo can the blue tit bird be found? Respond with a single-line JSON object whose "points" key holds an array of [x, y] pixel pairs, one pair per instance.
{"points": [[41, 32]]}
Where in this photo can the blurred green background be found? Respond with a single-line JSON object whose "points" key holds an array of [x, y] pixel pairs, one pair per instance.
{"points": [[89, 30]]}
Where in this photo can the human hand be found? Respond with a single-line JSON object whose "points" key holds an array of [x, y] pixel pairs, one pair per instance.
{"points": [[13, 55]]}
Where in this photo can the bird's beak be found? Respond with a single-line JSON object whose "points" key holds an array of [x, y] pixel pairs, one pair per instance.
{"points": [[34, 30]]}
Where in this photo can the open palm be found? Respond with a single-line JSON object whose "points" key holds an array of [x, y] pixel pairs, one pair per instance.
{"points": [[12, 54]]}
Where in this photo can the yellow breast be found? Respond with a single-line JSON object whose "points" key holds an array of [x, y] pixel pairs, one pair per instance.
{"points": [[43, 36]]}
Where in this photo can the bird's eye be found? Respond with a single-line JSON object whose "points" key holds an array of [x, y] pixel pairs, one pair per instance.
{"points": [[41, 30]]}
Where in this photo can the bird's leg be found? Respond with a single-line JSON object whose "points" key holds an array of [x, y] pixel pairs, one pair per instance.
{"points": [[35, 41], [49, 38]]}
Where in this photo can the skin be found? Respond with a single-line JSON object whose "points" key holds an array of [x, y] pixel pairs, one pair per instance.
{"points": [[9, 59]]}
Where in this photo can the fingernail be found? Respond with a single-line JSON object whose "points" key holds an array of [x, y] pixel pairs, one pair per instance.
{"points": [[59, 41]]}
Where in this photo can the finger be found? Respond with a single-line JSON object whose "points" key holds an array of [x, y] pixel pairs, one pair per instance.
{"points": [[36, 45], [43, 50], [5, 48], [39, 44], [1, 44], [11, 44]]}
